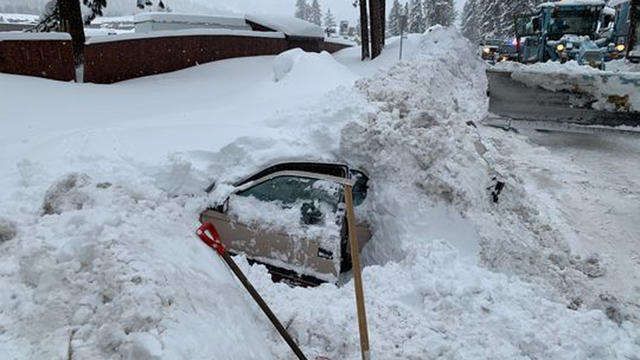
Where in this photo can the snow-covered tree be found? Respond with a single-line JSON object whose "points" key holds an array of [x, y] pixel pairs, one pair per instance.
{"points": [[302, 10], [484, 19], [416, 22], [50, 17], [95, 9], [329, 22], [393, 24], [442, 12], [315, 13]]}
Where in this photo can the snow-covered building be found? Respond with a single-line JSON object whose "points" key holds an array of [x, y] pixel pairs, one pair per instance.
{"points": [[158, 21]]}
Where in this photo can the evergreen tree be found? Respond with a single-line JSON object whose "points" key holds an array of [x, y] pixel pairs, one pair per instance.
{"points": [[393, 24], [442, 12], [302, 10], [95, 9], [417, 23], [490, 19], [316, 13], [329, 22]]}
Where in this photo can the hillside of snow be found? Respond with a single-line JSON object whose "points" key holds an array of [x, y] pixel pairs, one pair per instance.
{"points": [[102, 186]]}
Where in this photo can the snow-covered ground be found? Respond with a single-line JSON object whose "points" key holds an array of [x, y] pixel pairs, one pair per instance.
{"points": [[102, 186]]}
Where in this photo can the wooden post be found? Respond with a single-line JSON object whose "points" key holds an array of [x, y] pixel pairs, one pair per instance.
{"points": [[364, 29], [357, 276]]}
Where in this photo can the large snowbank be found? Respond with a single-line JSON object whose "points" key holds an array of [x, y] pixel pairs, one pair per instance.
{"points": [[437, 235]]}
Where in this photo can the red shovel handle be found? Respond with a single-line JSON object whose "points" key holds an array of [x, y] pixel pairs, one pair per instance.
{"points": [[209, 235]]}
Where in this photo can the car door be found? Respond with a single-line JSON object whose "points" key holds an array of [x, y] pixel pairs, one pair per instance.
{"points": [[289, 220]]}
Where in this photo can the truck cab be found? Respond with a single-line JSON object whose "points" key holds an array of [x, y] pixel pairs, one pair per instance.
{"points": [[560, 31]]}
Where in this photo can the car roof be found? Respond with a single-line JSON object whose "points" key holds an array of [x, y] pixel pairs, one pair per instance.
{"points": [[340, 170]]}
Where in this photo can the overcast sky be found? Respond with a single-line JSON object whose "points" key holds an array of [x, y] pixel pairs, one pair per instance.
{"points": [[342, 9]]}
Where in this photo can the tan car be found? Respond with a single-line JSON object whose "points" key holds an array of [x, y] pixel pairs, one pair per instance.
{"points": [[291, 218]]}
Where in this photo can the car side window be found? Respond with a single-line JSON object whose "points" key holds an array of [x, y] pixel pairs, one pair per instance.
{"points": [[288, 190]]}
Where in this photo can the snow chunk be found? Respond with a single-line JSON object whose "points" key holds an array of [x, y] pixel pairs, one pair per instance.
{"points": [[66, 194], [298, 65], [8, 229], [290, 26]]}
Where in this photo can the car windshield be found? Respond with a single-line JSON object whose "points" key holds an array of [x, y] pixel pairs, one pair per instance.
{"points": [[572, 22]]}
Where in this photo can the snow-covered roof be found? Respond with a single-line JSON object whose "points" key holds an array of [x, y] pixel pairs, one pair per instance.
{"points": [[18, 18], [340, 41], [112, 19], [572, 2], [185, 32], [289, 25], [19, 35], [188, 19]]}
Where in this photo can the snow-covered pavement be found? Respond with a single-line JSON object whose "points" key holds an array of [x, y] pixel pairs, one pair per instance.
{"points": [[113, 270]]}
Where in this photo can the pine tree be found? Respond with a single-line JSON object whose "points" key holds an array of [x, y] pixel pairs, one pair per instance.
{"points": [[393, 24], [95, 9], [417, 22], [329, 22], [316, 13], [302, 9], [487, 19], [442, 12]]}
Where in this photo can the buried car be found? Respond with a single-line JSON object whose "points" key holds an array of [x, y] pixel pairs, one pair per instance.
{"points": [[291, 217]]}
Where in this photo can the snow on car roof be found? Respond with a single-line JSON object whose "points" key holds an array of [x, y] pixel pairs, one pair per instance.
{"points": [[289, 25], [19, 35]]}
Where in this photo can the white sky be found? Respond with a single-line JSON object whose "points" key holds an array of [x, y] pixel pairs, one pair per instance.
{"points": [[342, 9]]}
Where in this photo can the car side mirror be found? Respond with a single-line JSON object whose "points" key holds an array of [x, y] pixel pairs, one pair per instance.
{"points": [[310, 214]]}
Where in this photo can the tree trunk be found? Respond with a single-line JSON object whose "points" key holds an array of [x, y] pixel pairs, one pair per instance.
{"points": [[383, 21], [71, 22], [376, 28], [364, 29]]}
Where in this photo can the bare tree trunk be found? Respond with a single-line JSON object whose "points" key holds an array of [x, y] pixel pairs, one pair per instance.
{"points": [[383, 20], [71, 22], [364, 29], [376, 28]]}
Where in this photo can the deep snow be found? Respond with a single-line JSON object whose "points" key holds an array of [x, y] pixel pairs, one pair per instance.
{"points": [[115, 270]]}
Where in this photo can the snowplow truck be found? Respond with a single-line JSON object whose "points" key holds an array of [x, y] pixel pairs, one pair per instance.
{"points": [[561, 31], [618, 30], [569, 98]]}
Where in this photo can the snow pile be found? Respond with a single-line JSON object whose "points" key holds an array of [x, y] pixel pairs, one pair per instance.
{"points": [[433, 219], [295, 65], [66, 194], [8, 230], [419, 143], [123, 278], [608, 90]]}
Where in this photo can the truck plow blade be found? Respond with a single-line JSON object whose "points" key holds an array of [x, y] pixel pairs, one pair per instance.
{"points": [[573, 102]]}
